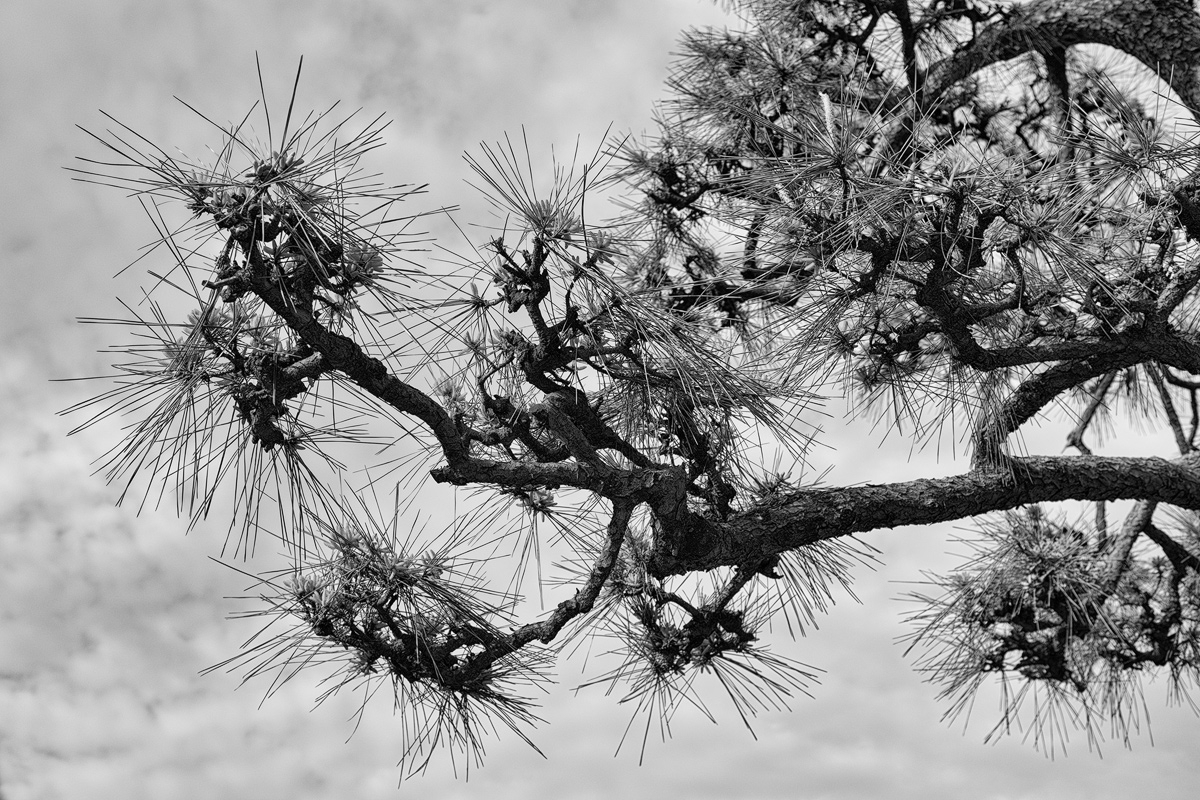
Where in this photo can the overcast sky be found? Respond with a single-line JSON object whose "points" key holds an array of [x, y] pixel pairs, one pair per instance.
{"points": [[108, 617]]}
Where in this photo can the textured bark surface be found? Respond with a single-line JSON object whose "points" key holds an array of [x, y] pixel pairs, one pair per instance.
{"points": [[812, 515], [1162, 34]]}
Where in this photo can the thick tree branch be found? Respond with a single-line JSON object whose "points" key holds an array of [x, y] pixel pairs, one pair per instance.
{"points": [[1162, 34], [1034, 394], [690, 542]]}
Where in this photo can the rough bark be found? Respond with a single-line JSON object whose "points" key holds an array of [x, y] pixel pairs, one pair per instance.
{"points": [[1162, 34], [812, 515]]}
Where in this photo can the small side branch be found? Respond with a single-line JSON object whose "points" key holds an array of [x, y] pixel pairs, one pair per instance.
{"points": [[585, 597], [1176, 553], [1075, 439], [1117, 557], [1182, 440], [497, 647]]}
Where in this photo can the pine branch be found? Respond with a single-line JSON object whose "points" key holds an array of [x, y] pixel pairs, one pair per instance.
{"points": [[1162, 34], [689, 542]]}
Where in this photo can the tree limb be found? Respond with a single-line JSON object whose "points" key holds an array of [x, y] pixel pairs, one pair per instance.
{"points": [[690, 542], [1162, 34]]}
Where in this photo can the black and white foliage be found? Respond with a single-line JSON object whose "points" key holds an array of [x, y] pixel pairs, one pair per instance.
{"points": [[957, 214]]}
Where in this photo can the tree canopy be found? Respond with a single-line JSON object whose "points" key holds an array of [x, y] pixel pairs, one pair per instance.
{"points": [[963, 216]]}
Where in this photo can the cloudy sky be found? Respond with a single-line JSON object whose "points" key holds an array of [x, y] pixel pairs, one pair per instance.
{"points": [[107, 617]]}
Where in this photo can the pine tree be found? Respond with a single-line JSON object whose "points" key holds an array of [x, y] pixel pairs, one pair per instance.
{"points": [[961, 215]]}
